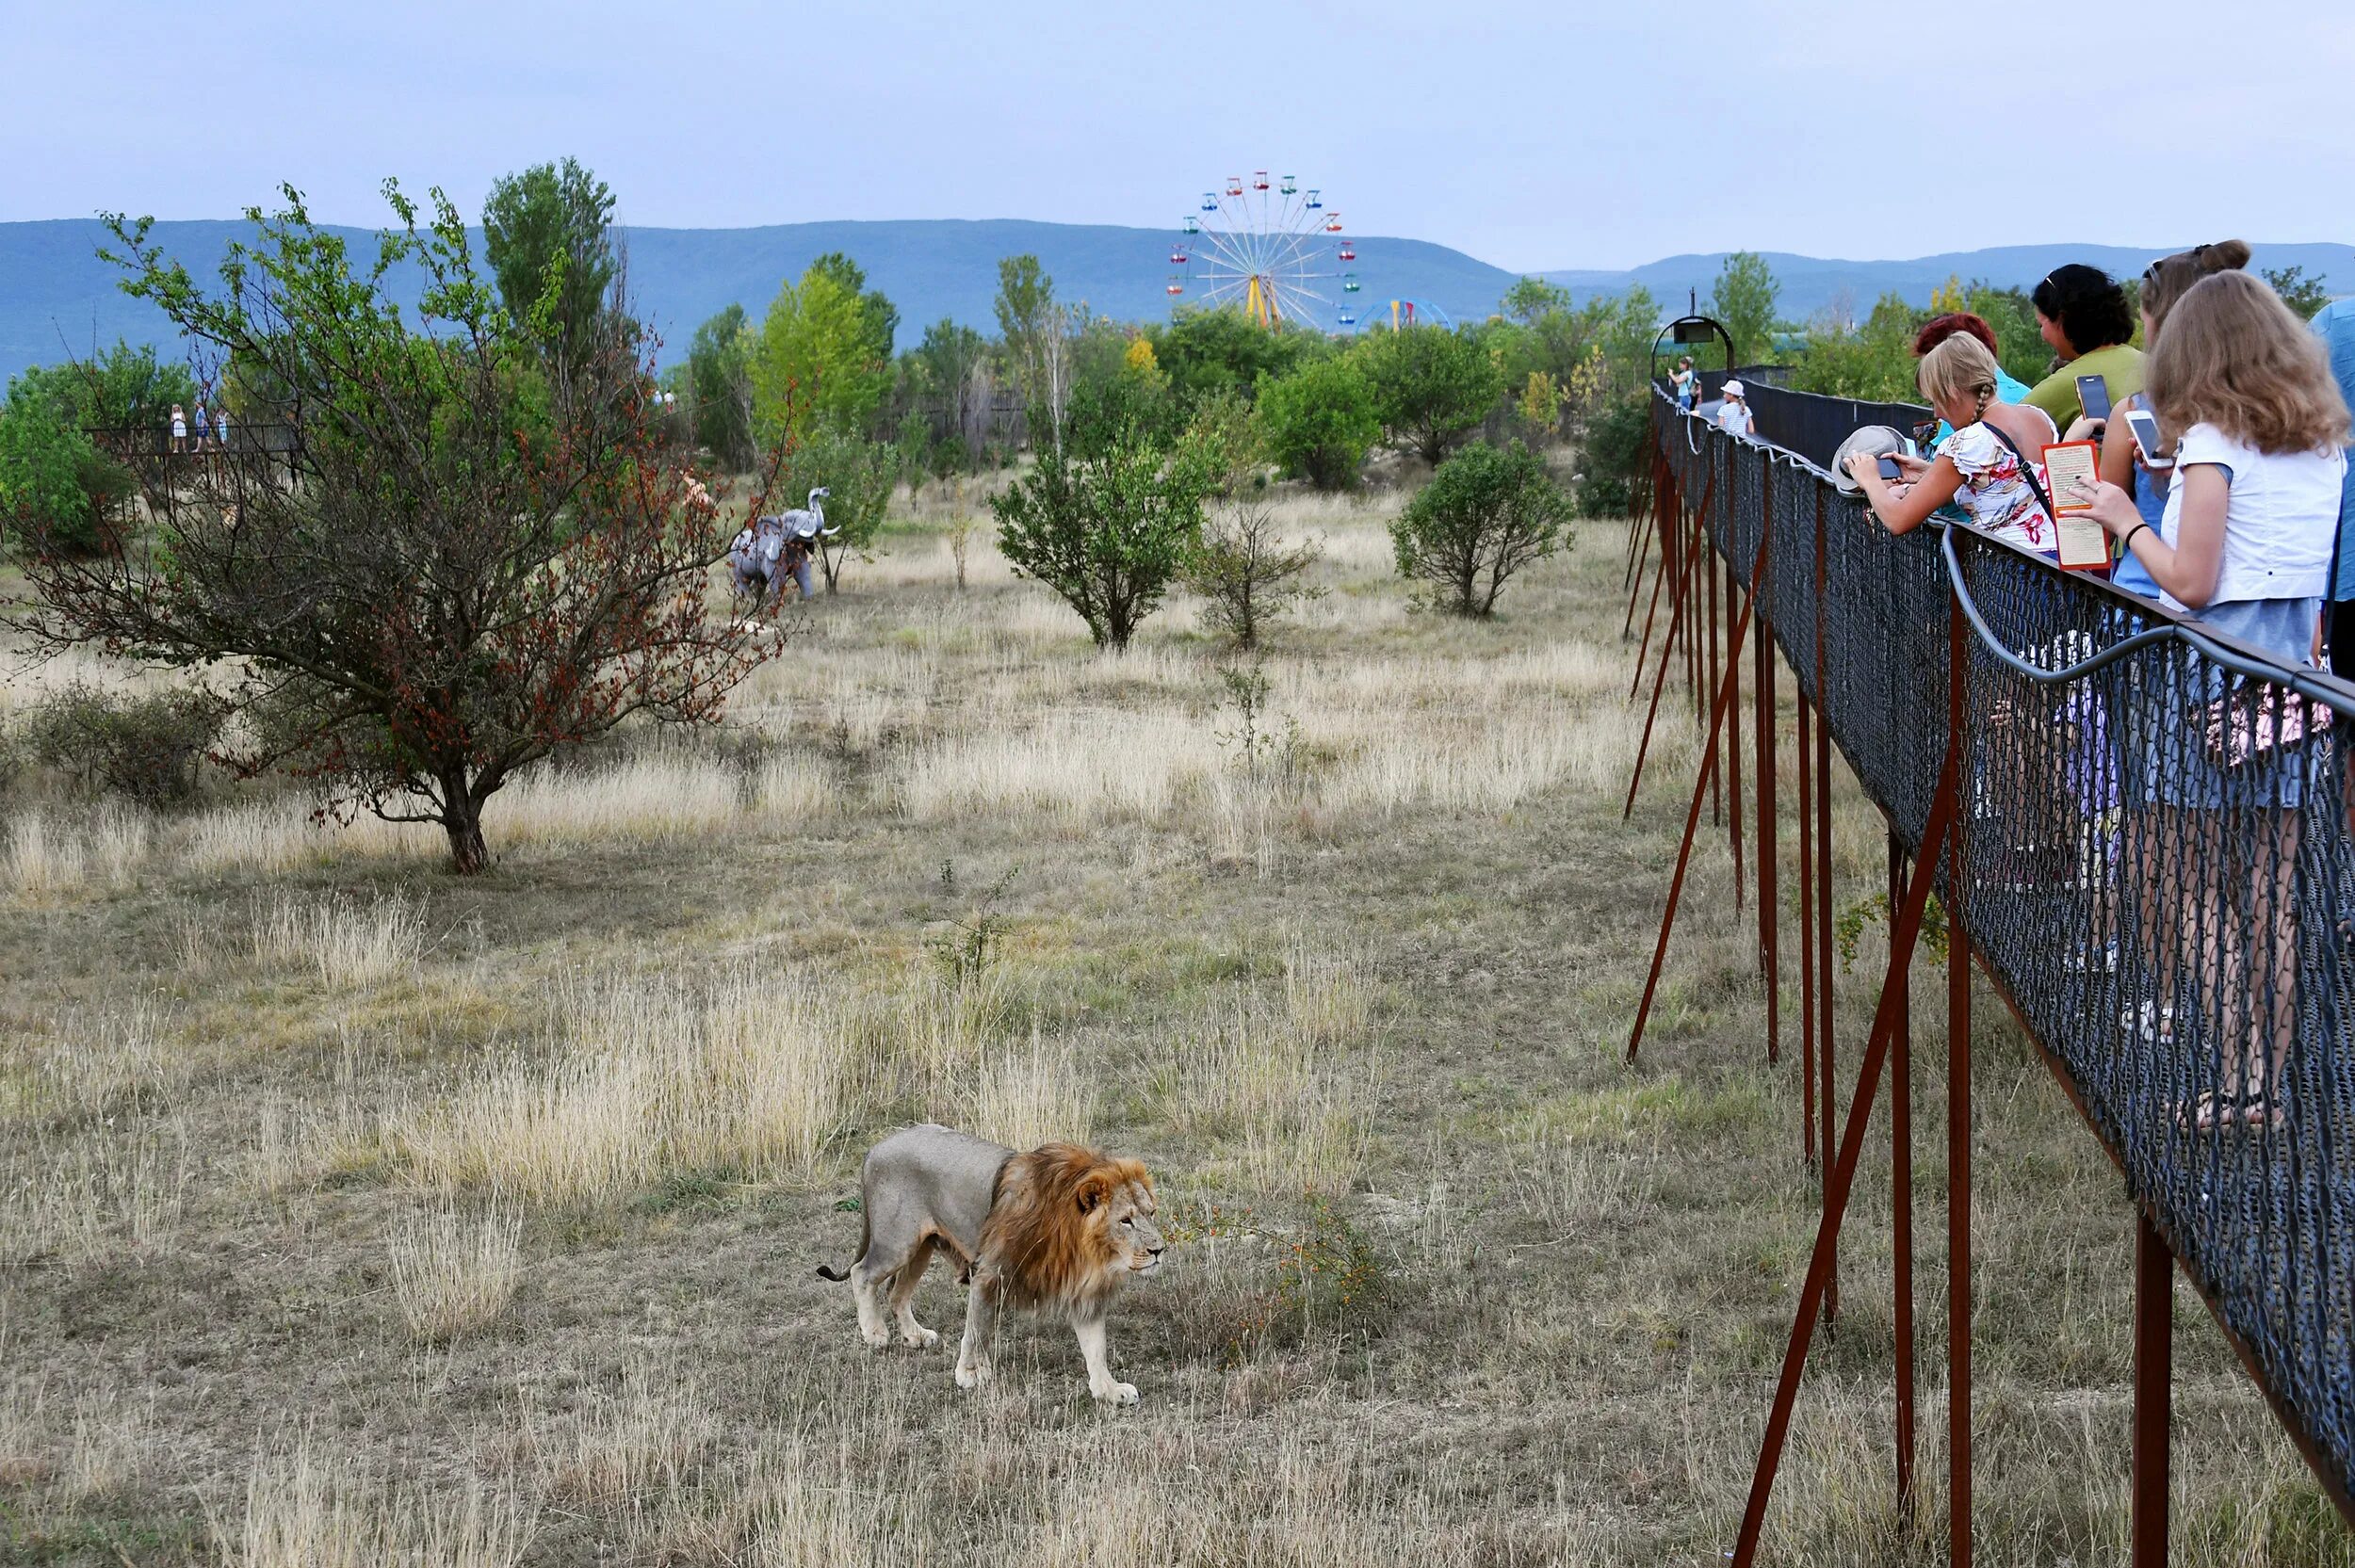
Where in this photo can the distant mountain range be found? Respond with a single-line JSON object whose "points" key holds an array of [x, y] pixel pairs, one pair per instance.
{"points": [[57, 299]]}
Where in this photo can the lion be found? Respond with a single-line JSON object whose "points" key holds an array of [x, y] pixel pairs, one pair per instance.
{"points": [[1053, 1232]]}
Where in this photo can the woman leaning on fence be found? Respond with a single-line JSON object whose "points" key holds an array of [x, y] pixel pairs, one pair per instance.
{"points": [[2245, 399], [1986, 466]]}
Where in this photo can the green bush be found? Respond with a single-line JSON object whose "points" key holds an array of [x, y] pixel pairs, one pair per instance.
{"points": [[148, 748], [47, 469], [1109, 529], [1431, 387], [1617, 458], [1320, 422], [1486, 513], [858, 476]]}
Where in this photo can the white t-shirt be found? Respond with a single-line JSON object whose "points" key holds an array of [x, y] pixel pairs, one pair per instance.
{"points": [[1734, 418], [2280, 520]]}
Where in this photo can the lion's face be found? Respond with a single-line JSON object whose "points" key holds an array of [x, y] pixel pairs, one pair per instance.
{"points": [[1130, 1229]]}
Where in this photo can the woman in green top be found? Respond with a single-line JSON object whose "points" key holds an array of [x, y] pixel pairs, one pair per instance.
{"points": [[2082, 314]]}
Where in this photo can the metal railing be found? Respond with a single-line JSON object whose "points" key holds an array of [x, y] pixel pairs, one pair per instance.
{"points": [[138, 443], [2140, 830]]}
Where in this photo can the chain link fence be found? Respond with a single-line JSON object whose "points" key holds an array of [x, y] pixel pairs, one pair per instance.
{"points": [[2157, 868]]}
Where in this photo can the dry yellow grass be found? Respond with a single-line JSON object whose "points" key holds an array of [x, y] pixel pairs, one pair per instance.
{"points": [[301, 1511], [344, 941], [632, 1447], [750, 1077], [1027, 1098], [454, 1271]]}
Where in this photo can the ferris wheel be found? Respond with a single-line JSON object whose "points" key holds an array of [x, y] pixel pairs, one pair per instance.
{"points": [[1270, 247]]}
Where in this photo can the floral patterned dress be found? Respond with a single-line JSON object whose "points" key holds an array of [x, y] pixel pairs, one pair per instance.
{"points": [[1995, 488]]}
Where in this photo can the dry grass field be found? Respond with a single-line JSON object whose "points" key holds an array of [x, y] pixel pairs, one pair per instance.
{"points": [[351, 1213]]}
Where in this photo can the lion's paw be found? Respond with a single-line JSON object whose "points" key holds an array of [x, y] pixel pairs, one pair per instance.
{"points": [[877, 1337], [919, 1338], [1116, 1394], [971, 1377]]}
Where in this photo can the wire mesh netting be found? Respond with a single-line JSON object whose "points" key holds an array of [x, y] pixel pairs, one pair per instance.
{"points": [[2157, 869]]}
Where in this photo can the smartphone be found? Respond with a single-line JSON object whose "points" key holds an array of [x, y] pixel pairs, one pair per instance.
{"points": [[1889, 468], [2094, 395], [2145, 426]]}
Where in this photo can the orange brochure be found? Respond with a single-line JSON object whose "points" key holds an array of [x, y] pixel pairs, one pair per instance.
{"points": [[2085, 545]]}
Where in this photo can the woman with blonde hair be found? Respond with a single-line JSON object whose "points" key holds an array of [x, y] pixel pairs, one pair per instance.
{"points": [[1986, 466], [2245, 393]]}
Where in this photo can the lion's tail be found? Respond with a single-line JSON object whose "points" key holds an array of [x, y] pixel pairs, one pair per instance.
{"points": [[866, 1233]]}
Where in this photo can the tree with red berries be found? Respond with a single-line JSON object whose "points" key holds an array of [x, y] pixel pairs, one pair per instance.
{"points": [[439, 554]]}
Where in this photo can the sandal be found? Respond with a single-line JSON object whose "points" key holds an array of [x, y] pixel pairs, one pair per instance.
{"points": [[2226, 1109]]}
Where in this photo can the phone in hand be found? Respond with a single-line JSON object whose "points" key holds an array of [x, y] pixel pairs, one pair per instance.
{"points": [[1889, 468], [2094, 395], [2145, 427]]}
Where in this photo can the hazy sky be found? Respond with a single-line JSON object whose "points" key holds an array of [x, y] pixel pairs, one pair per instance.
{"points": [[1553, 134]]}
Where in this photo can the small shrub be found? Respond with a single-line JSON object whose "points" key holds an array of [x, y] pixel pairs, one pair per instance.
{"points": [[1486, 514], [1108, 528], [1320, 1279], [966, 949], [1245, 571], [149, 749], [1262, 752]]}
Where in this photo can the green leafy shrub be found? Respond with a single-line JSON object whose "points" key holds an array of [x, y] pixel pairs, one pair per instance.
{"points": [[1617, 458], [148, 748], [1320, 421], [1431, 387], [1486, 514], [1110, 530]]}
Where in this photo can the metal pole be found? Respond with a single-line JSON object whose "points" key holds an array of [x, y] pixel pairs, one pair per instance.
{"points": [[1711, 590], [2155, 1338], [1901, 1192], [1692, 825], [1660, 682], [1669, 497], [1733, 728], [1807, 930], [1957, 1140], [1769, 849], [1815, 1295], [1825, 1097]]}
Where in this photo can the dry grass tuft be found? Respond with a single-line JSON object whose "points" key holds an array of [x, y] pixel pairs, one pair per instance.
{"points": [[631, 1448], [751, 1076], [1328, 999], [105, 1454], [95, 1198], [301, 1513], [1270, 1082], [282, 835], [454, 1271], [1027, 1098], [89, 1068], [346, 941], [663, 796], [48, 857]]}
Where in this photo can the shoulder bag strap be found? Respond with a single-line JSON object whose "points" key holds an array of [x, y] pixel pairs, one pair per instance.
{"points": [[2027, 472]]}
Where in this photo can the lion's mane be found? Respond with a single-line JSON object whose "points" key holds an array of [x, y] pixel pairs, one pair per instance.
{"points": [[1047, 1245]]}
